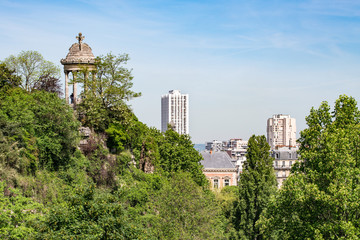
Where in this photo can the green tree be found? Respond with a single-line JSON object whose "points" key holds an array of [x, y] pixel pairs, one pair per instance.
{"points": [[30, 66], [257, 183], [185, 211], [177, 153], [46, 127], [105, 94], [8, 79], [320, 199]]}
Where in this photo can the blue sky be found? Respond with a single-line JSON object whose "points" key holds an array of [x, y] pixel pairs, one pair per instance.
{"points": [[240, 61]]}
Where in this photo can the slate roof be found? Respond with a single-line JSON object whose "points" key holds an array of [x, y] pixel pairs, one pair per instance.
{"points": [[216, 160], [284, 154]]}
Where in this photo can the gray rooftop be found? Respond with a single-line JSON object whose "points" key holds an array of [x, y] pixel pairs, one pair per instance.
{"points": [[216, 160], [284, 154]]}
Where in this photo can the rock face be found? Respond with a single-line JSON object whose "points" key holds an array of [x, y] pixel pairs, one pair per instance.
{"points": [[89, 143], [145, 163], [85, 132]]}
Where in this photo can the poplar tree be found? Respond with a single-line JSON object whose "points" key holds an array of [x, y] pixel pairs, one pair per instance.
{"points": [[320, 199], [257, 183]]}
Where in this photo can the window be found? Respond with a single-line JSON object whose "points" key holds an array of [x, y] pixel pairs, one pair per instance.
{"points": [[227, 182], [283, 163], [290, 163], [216, 183]]}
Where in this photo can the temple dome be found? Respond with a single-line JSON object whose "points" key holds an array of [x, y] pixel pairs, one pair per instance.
{"points": [[79, 54]]}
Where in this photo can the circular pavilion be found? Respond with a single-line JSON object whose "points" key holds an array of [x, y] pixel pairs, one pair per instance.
{"points": [[80, 57]]}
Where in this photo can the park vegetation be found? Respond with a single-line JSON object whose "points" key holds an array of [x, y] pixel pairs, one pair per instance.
{"points": [[131, 181]]}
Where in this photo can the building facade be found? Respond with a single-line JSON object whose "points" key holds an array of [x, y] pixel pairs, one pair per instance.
{"points": [[215, 146], [284, 157], [219, 169], [175, 111], [281, 131]]}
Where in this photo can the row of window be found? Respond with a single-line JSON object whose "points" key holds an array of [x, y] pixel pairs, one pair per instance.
{"points": [[277, 155], [281, 174], [283, 163], [226, 183]]}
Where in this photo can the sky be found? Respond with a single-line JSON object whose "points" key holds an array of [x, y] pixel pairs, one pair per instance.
{"points": [[240, 61]]}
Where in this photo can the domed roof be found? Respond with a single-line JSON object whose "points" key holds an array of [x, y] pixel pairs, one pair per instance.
{"points": [[79, 53]]}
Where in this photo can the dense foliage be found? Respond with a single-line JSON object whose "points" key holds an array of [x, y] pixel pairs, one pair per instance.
{"points": [[257, 183], [320, 200], [8, 79], [105, 92], [41, 127], [129, 181]]}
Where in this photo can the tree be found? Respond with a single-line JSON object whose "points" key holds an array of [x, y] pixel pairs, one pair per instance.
{"points": [[320, 199], [8, 79], [30, 66], [177, 153], [104, 95], [185, 211], [47, 129], [49, 84], [257, 183]]}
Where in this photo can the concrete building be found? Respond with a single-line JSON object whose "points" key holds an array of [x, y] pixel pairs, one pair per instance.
{"points": [[219, 169], [175, 111], [281, 131], [215, 146], [284, 157]]}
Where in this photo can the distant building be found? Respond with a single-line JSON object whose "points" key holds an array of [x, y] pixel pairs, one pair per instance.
{"points": [[175, 111], [219, 169], [214, 146], [281, 131], [284, 157], [236, 148]]}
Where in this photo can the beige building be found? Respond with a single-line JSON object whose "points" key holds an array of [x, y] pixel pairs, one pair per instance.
{"points": [[281, 131], [219, 169], [284, 157]]}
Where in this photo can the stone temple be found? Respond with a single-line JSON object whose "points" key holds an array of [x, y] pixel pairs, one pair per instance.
{"points": [[79, 58]]}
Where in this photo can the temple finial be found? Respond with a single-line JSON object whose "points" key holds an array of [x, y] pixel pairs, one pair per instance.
{"points": [[80, 38]]}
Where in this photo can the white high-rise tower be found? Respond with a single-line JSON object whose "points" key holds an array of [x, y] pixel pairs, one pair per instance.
{"points": [[281, 131], [175, 111]]}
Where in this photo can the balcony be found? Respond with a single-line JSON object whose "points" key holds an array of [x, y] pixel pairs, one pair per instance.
{"points": [[282, 167]]}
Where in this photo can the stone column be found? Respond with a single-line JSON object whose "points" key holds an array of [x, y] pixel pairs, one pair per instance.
{"points": [[86, 75], [66, 87], [74, 86], [93, 76]]}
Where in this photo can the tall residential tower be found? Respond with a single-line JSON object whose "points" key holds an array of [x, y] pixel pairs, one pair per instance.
{"points": [[281, 131], [175, 111]]}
